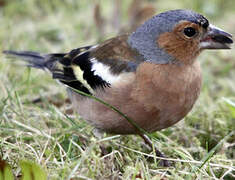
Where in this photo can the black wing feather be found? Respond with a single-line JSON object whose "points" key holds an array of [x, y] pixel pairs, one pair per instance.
{"points": [[60, 65]]}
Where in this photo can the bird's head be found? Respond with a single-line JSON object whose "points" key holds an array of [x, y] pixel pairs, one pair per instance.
{"points": [[177, 36]]}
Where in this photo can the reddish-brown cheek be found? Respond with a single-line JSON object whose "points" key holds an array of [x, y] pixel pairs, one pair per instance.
{"points": [[183, 50]]}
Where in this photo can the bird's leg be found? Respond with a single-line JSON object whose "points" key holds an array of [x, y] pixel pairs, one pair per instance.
{"points": [[162, 162]]}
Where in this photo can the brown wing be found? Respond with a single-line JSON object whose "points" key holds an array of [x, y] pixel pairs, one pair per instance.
{"points": [[117, 54]]}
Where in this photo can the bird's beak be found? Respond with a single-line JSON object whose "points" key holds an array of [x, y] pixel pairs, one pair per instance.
{"points": [[216, 38]]}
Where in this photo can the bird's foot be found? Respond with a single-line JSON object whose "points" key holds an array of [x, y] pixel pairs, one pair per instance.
{"points": [[162, 159]]}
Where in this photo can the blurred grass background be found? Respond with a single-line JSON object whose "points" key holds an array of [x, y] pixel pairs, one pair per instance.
{"points": [[64, 145]]}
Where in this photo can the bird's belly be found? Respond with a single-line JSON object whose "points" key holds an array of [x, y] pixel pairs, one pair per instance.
{"points": [[152, 103], [173, 108], [152, 118]]}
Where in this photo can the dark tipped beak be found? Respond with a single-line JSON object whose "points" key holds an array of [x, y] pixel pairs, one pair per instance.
{"points": [[216, 38]]}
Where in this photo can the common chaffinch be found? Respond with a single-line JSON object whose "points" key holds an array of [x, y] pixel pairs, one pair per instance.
{"points": [[150, 75]]}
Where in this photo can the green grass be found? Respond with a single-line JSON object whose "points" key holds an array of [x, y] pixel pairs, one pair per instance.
{"points": [[202, 145]]}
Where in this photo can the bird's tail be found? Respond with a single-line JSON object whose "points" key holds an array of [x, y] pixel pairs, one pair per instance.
{"points": [[60, 65], [37, 60]]}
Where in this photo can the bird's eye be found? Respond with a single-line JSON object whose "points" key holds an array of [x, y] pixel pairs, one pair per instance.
{"points": [[189, 31]]}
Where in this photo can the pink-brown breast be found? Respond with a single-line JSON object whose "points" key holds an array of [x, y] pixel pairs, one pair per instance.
{"points": [[155, 97], [170, 91]]}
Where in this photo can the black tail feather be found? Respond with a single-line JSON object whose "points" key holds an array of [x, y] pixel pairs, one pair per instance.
{"points": [[29, 54], [35, 59]]}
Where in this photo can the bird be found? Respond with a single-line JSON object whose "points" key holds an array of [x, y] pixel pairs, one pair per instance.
{"points": [[151, 75]]}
